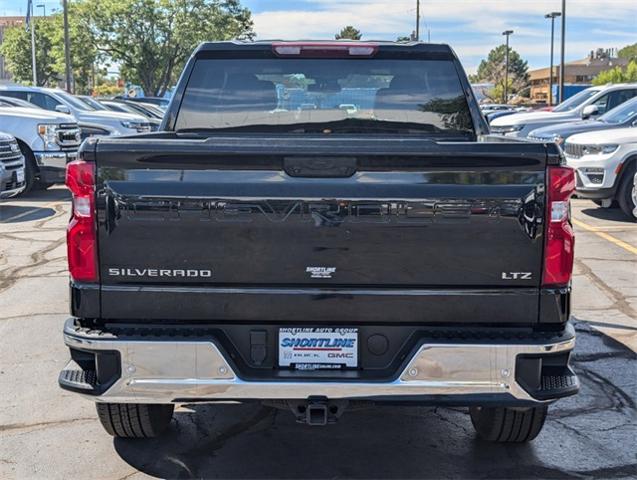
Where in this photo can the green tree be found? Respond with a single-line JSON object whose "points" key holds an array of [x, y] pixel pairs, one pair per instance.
{"points": [[618, 75], [629, 51], [350, 33], [16, 49], [83, 54], [404, 39], [497, 92], [493, 69], [49, 41], [152, 39]]}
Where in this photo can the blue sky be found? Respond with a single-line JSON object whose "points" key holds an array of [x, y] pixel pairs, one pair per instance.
{"points": [[471, 27]]}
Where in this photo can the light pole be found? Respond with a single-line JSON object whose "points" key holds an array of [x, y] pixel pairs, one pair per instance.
{"points": [[506, 33], [552, 16], [67, 53], [563, 39], [417, 20], [31, 23]]}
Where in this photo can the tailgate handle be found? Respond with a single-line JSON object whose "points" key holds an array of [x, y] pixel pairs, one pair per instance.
{"points": [[315, 167]]}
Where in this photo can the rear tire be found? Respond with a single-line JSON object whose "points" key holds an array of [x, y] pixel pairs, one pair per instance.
{"points": [[508, 425], [134, 420], [625, 192]]}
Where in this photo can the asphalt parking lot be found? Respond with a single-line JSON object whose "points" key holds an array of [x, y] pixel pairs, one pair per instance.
{"points": [[48, 433]]}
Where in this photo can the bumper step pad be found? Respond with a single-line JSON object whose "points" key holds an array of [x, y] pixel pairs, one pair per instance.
{"points": [[558, 385], [547, 376], [90, 373], [74, 378]]}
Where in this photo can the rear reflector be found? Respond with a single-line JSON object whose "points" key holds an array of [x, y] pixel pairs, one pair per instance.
{"points": [[81, 235], [325, 49], [559, 238]]}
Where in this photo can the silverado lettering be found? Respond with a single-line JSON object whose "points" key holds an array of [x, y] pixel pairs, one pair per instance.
{"points": [[158, 272]]}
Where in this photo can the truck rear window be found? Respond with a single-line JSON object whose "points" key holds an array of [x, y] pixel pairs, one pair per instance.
{"points": [[305, 95]]}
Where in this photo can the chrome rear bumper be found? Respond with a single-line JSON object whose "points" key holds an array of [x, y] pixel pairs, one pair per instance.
{"points": [[179, 371]]}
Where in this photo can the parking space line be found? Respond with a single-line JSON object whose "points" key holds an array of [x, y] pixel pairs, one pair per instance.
{"points": [[626, 246], [607, 228]]}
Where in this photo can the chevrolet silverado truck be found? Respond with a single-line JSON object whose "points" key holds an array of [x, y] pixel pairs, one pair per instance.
{"points": [[268, 245]]}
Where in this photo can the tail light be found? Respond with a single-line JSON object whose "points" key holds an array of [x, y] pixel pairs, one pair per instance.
{"points": [[324, 49], [558, 237], [81, 234]]}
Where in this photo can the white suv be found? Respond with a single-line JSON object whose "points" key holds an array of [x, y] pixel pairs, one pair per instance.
{"points": [[605, 162], [588, 103]]}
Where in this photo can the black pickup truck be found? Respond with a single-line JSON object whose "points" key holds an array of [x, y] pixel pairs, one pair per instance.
{"points": [[317, 224]]}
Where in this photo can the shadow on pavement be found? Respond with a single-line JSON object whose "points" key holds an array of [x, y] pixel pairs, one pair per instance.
{"points": [[376, 442], [55, 193], [611, 214], [18, 214], [590, 435]]}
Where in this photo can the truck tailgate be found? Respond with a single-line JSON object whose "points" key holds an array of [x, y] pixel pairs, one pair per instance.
{"points": [[330, 229]]}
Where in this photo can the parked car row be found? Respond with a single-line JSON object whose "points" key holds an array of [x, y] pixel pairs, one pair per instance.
{"points": [[48, 125], [492, 111], [153, 114], [597, 130], [584, 105]]}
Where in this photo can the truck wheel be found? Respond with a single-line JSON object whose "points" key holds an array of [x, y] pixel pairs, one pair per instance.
{"points": [[30, 170], [625, 193], [508, 425], [134, 420]]}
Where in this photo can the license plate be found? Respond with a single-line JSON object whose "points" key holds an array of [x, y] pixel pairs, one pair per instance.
{"points": [[19, 176], [318, 348]]}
